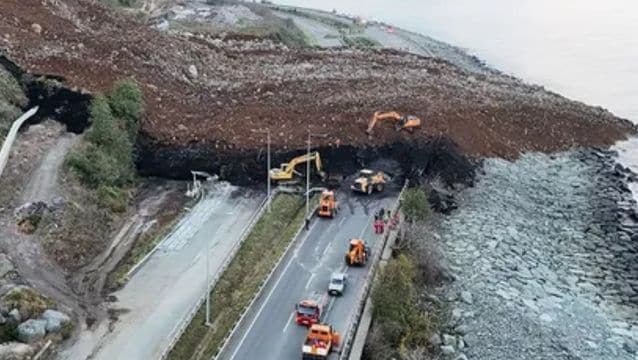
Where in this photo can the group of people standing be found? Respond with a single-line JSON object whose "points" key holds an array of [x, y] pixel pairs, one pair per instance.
{"points": [[380, 219]]}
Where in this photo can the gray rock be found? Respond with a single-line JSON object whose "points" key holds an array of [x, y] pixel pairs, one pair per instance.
{"points": [[461, 344], [14, 316], [447, 349], [461, 329], [55, 320], [32, 330], [461, 356], [6, 266], [449, 340], [192, 71], [466, 296], [457, 314], [435, 340], [3, 320], [16, 351]]}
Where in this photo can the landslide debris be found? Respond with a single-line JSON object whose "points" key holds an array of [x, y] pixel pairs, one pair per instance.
{"points": [[207, 94]]}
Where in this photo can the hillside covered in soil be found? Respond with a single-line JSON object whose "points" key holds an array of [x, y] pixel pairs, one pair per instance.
{"points": [[206, 95]]}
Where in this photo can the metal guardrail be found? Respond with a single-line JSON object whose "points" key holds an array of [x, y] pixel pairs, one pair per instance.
{"points": [[178, 331], [261, 289], [355, 317]]}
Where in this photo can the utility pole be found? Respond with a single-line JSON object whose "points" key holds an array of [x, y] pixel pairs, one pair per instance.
{"points": [[308, 179], [207, 249], [208, 323], [310, 135], [268, 182]]}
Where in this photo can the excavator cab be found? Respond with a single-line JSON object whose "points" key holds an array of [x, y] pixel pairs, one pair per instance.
{"points": [[357, 253], [328, 205]]}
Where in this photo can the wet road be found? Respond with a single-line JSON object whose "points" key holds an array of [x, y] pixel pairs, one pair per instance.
{"points": [[168, 285], [272, 332]]}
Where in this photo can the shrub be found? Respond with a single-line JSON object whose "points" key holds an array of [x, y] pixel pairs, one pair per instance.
{"points": [[415, 204], [127, 104], [105, 162]]}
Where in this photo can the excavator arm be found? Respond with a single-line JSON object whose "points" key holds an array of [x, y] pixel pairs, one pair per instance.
{"points": [[410, 122], [287, 171]]}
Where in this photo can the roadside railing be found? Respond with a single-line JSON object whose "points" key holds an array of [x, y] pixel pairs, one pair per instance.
{"points": [[355, 317], [285, 255], [178, 331]]}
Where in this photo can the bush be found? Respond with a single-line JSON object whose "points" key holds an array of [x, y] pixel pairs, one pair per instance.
{"points": [[127, 104], [399, 321], [105, 162], [415, 204]]}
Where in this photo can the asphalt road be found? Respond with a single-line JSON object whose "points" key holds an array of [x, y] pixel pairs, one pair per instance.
{"points": [[168, 285], [272, 332]]}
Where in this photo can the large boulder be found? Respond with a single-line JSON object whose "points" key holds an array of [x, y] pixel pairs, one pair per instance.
{"points": [[16, 351], [32, 331], [55, 320]]}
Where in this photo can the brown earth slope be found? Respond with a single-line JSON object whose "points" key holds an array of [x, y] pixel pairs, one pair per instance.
{"points": [[211, 93]]}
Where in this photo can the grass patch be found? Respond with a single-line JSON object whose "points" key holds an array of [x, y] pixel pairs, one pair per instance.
{"points": [[27, 301], [239, 283]]}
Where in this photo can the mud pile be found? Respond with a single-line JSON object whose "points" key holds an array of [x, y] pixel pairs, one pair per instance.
{"points": [[205, 95]]}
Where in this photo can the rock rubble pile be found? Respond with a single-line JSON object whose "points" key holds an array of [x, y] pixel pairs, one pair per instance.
{"points": [[544, 254]]}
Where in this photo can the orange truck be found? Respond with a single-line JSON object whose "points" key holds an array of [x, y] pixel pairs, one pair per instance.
{"points": [[310, 310], [328, 205], [320, 341]]}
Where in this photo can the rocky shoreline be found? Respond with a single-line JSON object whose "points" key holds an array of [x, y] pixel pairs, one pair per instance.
{"points": [[543, 254]]}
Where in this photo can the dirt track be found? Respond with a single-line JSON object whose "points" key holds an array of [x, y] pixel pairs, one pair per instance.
{"points": [[244, 85]]}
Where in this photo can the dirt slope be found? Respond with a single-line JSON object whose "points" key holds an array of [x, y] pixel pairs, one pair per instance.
{"points": [[211, 93]]}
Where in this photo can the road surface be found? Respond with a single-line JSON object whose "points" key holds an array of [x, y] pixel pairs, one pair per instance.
{"points": [[272, 332], [168, 285], [317, 32]]}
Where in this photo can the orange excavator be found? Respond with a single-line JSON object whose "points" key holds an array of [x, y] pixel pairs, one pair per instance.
{"points": [[401, 122], [320, 341], [357, 253], [328, 205]]}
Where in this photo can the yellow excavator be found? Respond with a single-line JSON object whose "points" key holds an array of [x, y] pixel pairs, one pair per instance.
{"points": [[286, 171], [401, 122]]}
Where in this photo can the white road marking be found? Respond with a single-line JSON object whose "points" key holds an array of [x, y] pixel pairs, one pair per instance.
{"points": [[272, 290], [310, 280], [363, 230], [325, 251], [288, 322], [341, 221], [325, 314]]}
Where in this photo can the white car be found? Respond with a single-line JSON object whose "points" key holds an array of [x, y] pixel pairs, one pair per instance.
{"points": [[337, 284]]}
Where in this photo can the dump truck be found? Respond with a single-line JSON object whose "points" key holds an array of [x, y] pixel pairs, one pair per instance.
{"points": [[288, 171], [401, 122], [320, 341], [328, 205], [310, 310], [357, 253], [368, 181]]}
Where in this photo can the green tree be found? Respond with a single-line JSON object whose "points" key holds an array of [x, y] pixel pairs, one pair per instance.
{"points": [[415, 204], [127, 104], [393, 295]]}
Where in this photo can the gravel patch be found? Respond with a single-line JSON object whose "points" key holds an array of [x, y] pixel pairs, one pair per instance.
{"points": [[544, 261]]}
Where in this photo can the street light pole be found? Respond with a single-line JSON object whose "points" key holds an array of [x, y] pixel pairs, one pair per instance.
{"points": [[208, 322], [308, 178], [268, 170], [268, 185]]}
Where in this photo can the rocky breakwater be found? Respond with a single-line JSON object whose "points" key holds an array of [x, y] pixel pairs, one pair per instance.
{"points": [[543, 252]]}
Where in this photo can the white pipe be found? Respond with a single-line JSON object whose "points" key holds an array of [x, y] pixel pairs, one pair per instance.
{"points": [[11, 136]]}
